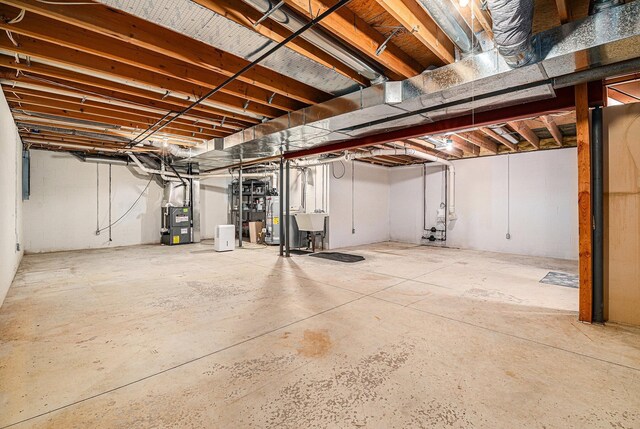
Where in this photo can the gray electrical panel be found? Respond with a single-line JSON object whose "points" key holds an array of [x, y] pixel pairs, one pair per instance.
{"points": [[176, 225]]}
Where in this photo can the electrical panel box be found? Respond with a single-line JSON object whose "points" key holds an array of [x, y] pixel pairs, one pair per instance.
{"points": [[176, 225]]}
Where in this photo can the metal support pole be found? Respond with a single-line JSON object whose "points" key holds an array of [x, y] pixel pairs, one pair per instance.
{"points": [[240, 202], [288, 228], [597, 163], [281, 206]]}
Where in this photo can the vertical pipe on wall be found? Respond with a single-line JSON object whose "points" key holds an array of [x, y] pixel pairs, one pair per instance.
{"points": [[598, 214], [287, 230], [110, 196], [240, 203], [281, 206]]}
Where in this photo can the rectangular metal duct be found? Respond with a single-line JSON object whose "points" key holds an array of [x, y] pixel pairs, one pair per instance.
{"points": [[482, 81]]}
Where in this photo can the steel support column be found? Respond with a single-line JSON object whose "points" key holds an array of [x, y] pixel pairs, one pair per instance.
{"points": [[281, 206], [597, 195], [287, 215]]}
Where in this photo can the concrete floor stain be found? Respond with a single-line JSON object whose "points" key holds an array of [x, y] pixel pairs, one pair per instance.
{"points": [[315, 343]]}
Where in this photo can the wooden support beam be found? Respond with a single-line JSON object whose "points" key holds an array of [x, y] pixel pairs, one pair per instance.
{"points": [[136, 31], [526, 132], [354, 31], [420, 144], [483, 18], [85, 105], [415, 19], [563, 11], [55, 76], [463, 145], [553, 128], [27, 102], [481, 141], [494, 135], [67, 114], [245, 15], [585, 217], [90, 63], [68, 36]]}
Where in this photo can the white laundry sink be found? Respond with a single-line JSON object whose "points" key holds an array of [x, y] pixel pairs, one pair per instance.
{"points": [[312, 222]]}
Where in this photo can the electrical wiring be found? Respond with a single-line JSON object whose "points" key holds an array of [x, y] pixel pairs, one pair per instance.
{"points": [[128, 210], [15, 20]]}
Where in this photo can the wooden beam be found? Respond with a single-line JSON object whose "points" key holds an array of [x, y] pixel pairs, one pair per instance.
{"points": [[243, 14], [354, 31], [67, 114], [39, 91], [563, 11], [483, 17], [465, 146], [481, 141], [28, 101], [553, 128], [35, 72], [90, 63], [416, 20], [420, 144], [131, 29], [585, 219], [68, 36], [494, 135], [526, 132]]}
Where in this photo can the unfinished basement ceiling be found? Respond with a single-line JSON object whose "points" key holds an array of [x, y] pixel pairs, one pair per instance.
{"points": [[200, 23], [76, 77]]}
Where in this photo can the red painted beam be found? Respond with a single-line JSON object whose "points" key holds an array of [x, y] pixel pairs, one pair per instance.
{"points": [[564, 100]]}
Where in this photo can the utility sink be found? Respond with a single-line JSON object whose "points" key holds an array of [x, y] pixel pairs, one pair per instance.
{"points": [[312, 222]]}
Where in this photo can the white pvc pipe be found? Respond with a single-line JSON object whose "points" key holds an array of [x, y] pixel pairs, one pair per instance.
{"points": [[167, 174]]}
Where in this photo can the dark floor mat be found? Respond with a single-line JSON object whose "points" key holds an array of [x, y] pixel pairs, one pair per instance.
{"points": [[299, 252], [561, 279], [337, 256]]}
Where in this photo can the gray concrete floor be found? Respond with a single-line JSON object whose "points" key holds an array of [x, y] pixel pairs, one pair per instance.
{"points": [[161, 337]]}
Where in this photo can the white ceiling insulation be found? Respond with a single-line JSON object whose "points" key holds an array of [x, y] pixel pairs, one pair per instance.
{"points": [[200, 23]]}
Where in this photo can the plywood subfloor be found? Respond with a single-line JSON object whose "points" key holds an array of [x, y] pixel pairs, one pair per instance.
{"points": [[155, 336]]}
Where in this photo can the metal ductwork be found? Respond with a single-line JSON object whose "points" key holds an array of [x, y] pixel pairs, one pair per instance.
{"points": [[453, 25], [512, 30], [596, 6], [289, 19], [579, 51], [182, 152]]}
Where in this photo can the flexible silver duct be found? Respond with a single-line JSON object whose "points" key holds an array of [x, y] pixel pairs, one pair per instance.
{"points": [[178, 151], [512, 30], [284, 16], [451, 22]]}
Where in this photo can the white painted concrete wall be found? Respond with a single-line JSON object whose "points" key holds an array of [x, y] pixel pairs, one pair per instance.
{"points": [[370, 206], [10, 198], [214, 202], [542, 210], [63, 209]]}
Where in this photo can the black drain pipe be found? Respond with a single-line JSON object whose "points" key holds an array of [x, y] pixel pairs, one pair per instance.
{"points": [[240, 208], [281, 206], [597, 193], [287, 215]]}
